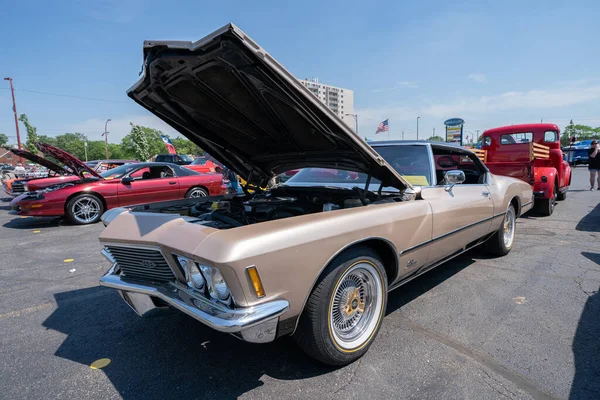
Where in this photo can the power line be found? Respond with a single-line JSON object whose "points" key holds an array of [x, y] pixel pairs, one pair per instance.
{"points": [[70, 96]]}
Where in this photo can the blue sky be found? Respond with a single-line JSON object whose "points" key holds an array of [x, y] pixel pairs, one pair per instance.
{"points": [[490, 64]]}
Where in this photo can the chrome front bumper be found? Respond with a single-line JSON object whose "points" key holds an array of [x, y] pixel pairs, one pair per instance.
{"points": [[257, 324]]}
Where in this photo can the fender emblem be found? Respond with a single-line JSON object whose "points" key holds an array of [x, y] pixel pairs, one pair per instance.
{"points": [[148, 264], [411, 263]]}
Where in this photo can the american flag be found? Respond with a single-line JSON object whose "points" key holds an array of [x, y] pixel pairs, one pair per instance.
{"points": [[169, 145], [383, 127]]}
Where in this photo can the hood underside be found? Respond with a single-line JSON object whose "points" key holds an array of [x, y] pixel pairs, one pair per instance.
{"points": [[230, 97], [78, 167], [40, 160]]}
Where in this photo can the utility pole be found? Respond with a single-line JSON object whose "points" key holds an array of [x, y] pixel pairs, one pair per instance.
{"points": [[418, 128], [12, 91], [85, 149], [105, 134], [433, 131], [355, 116], [402, 135]]}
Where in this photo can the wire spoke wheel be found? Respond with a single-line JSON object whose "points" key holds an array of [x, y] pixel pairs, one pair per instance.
{"points": [[509, 227], [356, 306], [86, 210]]}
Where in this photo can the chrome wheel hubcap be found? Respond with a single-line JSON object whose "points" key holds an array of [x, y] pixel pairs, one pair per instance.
{"points": [[197, 193], [356, 305], [86, 210], [509, 228]]}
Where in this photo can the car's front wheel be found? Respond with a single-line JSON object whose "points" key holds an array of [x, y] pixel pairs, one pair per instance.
{"points": [[344, 311], [84, 209]]}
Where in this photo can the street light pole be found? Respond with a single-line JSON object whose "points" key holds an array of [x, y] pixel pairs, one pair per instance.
{"points": [[12, 91], [418, 128], [355, 116], [105, 134], [85, 149]]}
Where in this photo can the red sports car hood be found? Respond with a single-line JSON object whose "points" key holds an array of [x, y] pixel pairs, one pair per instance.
{"points": [[41, 161], [78, 167]]}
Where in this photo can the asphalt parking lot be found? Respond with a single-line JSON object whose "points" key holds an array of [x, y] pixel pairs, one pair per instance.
{"points": [[523, 326]]}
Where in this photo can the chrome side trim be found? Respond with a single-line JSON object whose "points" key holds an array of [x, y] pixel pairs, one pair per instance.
{"points": [[445, 235], [212, 314], [393, 247]]}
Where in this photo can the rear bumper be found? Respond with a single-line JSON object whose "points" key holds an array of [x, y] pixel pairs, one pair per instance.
{"points": [[257, 324]]}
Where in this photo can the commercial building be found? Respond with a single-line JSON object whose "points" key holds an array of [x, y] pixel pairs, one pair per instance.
{"points": [[340, 101]]}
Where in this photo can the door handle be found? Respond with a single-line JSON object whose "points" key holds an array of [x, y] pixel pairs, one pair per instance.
{"points": [[486, 194], [172, 183]]}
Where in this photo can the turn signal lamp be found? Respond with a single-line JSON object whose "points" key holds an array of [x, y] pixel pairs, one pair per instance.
{"points": [[256, 282]]}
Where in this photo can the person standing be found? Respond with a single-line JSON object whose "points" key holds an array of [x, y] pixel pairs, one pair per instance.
{"points": [[594, 164]]}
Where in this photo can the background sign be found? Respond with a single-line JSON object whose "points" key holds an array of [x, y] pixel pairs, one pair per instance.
{"points": [[454, 122], [454, 130]]}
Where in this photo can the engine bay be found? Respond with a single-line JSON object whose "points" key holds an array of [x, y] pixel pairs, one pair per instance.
{"points": [[278, 203]]}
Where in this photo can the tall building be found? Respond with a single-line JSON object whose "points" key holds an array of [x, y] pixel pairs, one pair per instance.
{"points": [[340, 101]]}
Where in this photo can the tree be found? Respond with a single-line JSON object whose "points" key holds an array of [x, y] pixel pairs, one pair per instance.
{"points": [[3, 140], [143, 141], [139, 141], [185, 146], [581, 132], [72, 143], [436, 139], [32, 136]]}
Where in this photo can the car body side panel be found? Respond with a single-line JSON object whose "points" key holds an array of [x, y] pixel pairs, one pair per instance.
{"points": [[460, 216], [547, 188], [503, 189]]}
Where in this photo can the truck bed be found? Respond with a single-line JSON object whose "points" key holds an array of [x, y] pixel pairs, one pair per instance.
{"points": [[516, 169]]}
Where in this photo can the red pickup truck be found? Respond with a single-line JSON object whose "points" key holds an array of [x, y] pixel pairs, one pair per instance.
{"points": [[532, 153]]}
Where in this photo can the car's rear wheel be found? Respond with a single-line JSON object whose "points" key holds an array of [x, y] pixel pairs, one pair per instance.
{"points": [[84, 209], [344, 311], [501, 243], [196, 192]]}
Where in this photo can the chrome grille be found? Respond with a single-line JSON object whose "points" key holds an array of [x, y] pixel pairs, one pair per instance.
{"points": [[142, 264], [18, 187]]}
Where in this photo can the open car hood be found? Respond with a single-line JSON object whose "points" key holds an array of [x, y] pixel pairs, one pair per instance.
{"points": [[41, 161], [78, 167], [230, 97]]}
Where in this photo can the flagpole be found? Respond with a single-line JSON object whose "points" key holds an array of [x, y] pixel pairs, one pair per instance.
{"points": [[388, 128]]}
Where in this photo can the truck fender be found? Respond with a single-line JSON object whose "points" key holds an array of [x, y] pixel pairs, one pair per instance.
{"points": [[545, 177]]}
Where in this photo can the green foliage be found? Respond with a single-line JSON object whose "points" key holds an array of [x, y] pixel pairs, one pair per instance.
{"points": [[581, 132], [140, 141], [32, 136], [185, 146], [436, 139], [3, 140]]}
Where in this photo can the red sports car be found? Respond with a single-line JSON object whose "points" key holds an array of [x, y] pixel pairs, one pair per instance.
{"points": [[85, 200]]}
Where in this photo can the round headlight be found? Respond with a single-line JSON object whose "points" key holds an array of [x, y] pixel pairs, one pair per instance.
{"points": [[219, 285], [195, 276]]}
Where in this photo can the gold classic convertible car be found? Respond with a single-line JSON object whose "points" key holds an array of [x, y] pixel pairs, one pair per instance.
{"points": [[315, 257]]}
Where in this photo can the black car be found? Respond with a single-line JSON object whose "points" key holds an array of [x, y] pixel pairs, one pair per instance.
{"points": [[179, 159]]}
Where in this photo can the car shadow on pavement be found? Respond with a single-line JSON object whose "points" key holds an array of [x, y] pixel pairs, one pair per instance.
{"points": [[424, 283], [170, 355], [167, 355], [591, 222], [34, 222], [586, 345]]}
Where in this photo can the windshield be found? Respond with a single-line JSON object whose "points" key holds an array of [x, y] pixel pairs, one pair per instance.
{"points": [[118, 172], [185, 157], [410, 161]]}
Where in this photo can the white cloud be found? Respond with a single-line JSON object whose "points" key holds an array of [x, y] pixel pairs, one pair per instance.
{"points": [[398, 85], [119, 127], [511, 106], [479, 78]]}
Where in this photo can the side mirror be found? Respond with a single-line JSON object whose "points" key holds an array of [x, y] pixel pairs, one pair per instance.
{"points": [[127, 180], [453, 177]]}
